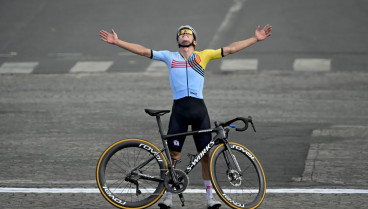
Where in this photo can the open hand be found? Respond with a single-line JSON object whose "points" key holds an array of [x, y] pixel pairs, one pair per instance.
{"points": [[264, 33], [110, 38]]}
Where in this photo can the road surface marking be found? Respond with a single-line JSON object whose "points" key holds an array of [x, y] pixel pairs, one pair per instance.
{"points": [[239, 64], [17, 67], [299, 65], [66, 54], [11, 54], [227, 24], [91, 67], [193, 191], [312, 65], [157, 66]]}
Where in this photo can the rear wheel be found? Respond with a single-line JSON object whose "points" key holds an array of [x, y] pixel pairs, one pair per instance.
{"points": [[121, 184], [245, 189]]}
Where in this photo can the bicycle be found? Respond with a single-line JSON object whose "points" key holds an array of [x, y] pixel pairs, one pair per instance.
{"points": [[134, 173]]}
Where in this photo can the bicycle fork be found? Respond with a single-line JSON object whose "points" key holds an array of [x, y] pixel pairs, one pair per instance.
{"points": [[230, 171]]}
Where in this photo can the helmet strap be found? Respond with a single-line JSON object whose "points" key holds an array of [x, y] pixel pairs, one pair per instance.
{"points": [[188, 45]]}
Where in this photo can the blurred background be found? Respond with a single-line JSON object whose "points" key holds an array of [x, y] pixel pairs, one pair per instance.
{"points": [[57, 34]]}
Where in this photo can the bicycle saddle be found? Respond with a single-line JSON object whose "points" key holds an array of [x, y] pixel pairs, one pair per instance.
{"points": [[156, 112]]}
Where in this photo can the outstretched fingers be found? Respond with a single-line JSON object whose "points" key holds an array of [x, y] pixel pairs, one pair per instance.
{"points": [[105, 35], [267, 29], [266, 26], [264, 33]]}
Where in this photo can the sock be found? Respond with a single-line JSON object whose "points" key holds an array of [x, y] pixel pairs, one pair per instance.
{"points": [[208, 185], [169, 194]]}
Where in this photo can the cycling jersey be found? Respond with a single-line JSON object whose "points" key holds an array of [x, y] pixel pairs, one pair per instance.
{"points": [[187, 76]]}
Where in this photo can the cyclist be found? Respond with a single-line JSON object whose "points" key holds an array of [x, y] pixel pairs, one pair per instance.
{"points": [[186, 72]]}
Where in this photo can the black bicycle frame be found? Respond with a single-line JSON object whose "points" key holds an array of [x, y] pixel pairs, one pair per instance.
{"points": [[221, 135]]}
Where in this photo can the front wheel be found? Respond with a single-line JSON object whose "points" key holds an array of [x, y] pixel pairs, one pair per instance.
{"points": [[130, 174], [244, 189]]}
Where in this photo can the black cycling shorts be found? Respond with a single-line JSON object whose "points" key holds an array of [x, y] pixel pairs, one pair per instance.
{"points": [[189, 111]]}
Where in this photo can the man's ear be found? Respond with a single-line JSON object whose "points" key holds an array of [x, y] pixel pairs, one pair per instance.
{"points": [[195, 43]]}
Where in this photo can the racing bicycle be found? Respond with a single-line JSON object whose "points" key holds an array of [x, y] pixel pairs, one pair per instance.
{"points": [[134, 173]]}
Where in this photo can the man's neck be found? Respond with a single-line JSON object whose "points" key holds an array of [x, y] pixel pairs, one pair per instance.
{"points": [[186, 51]]}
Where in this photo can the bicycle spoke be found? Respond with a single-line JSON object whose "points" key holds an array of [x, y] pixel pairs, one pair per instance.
{"points": [[138, 155], [117, 166], [124, 163], [116, 182], [242, 188], [137, 190]]}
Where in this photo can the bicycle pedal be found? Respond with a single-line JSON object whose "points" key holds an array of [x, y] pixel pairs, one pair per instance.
{"points": [[191, 156]]}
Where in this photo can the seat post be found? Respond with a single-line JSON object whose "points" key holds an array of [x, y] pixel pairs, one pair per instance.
{"points": [[167, 152], [159, 125]]}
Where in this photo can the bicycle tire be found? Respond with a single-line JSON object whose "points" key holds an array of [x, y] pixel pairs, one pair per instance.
{"points": [[247, 191], [117, 161]]}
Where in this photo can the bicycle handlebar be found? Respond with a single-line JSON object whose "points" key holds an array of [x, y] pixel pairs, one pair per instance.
{"points": [[244, 120]]}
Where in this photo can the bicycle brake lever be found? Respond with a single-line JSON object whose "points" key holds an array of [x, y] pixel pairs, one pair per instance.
{"points": [[250, 120], [254, 128]]}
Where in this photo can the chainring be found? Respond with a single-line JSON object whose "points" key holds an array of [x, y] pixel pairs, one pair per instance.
{"points": [[183, 182]]}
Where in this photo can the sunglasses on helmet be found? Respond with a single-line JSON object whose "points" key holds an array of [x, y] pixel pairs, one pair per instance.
{"points": [[185, 31]]}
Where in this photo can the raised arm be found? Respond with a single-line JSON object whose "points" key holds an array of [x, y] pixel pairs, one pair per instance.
{"points": [[112, 38], [259, 35]]}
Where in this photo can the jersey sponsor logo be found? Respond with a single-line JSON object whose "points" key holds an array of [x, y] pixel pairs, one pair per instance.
{"points": [[194, 93]]}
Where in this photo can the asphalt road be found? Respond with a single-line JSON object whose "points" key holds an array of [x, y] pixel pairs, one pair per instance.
{"points": [[54, 128], [312, 125]]}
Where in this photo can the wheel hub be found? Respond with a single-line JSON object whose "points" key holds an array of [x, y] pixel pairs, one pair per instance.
{"points": [[234, 178]]}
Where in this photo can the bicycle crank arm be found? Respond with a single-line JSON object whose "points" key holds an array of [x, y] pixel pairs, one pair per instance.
{"points": [[181, 196]]}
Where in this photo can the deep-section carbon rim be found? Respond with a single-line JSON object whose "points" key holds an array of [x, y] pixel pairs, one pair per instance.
{"points": [[238, 190], [116, 164]]}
